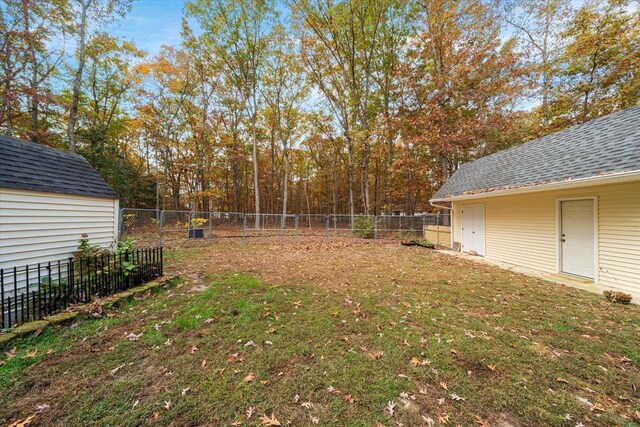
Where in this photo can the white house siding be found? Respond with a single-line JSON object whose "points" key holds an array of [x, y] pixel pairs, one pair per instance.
{"points": [[522, 230], [40, 227]]}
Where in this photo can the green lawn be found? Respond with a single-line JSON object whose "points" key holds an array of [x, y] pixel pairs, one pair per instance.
{"points": [[334, 334]]}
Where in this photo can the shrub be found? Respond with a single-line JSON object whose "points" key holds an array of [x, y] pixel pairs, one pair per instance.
{"points": [[364, 226], [198, 222]]}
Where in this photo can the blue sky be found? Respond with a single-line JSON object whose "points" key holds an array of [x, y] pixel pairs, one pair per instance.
{"points": [[151, 24]]}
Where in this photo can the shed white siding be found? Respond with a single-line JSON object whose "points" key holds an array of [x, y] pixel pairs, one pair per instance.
{"points": [[40, 227], [524, 230]]}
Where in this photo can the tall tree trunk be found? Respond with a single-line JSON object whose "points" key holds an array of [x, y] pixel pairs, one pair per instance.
{"points": [[34, 105], [350, 181], [77, 82], [256, 178], [285, 193]]}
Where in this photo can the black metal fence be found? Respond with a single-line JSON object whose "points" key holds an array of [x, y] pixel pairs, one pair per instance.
{"points": [[32, 292]]}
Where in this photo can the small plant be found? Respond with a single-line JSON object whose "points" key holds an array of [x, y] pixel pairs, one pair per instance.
{"points": [[125, 246], [617, 296], [127, 267], [122, 249], [364, 226], [85, 248], [198, 222]]}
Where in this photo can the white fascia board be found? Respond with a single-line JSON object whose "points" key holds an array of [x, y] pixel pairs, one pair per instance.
{"points": [[613, 178]]}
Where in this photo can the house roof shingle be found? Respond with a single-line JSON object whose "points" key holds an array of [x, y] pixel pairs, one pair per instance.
{"points": [[603, 146], [30, 166]]}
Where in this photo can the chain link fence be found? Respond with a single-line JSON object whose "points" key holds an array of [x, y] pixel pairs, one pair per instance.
{"points": [[175, 227]]}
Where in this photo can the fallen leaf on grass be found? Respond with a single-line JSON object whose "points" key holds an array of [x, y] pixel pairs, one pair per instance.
{"points": [[315, 420], [443, 419], [266, 421], [391, 407], [30, 353], [481, 421], [185, 391], [444, 385], [453, 351], [250, 411], [249, 378], [562, 380], [193, 349], [167, 405], [415, 361], [203, 364], [492, 368], [42, 407], [133, 337], [456, 397], [23, 423], [116, 369]]}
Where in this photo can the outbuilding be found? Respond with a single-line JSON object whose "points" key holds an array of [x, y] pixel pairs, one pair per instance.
{"points": [[567, 203], [48, 199]]}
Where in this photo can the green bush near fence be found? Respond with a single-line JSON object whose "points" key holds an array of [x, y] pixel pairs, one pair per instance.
{"points": [[364, 226]]}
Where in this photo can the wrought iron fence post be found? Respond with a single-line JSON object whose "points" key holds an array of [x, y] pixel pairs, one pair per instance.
{"points": [[127, 276], [297, 221], [244, 226], [210, 220], [70, 281]]}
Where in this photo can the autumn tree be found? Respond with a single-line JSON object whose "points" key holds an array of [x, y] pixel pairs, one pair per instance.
{"points": [[284, 89], [28, 64], [340, 45], [461, 81], [539, 26], [601, 64], [87, 16], [237, 32]]}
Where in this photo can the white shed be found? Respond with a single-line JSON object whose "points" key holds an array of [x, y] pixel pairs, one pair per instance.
{"points": [[48, 198]]}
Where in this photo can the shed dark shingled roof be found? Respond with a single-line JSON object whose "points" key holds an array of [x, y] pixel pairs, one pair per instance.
{"points": [[30, 166], [606, 145]]}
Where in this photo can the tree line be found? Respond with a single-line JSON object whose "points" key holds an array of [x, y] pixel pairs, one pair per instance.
{"points": [[309, 106]]}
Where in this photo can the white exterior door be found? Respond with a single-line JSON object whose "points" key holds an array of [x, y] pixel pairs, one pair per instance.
{"points": [[577, 237], [473, 229]]}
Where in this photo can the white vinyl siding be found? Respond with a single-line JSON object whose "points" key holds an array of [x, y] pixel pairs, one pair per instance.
{"points": [[40, 227], [523, 230]]}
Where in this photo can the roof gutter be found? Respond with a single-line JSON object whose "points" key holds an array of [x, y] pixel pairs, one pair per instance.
{"points": [[439, 206], [613, 178]]}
